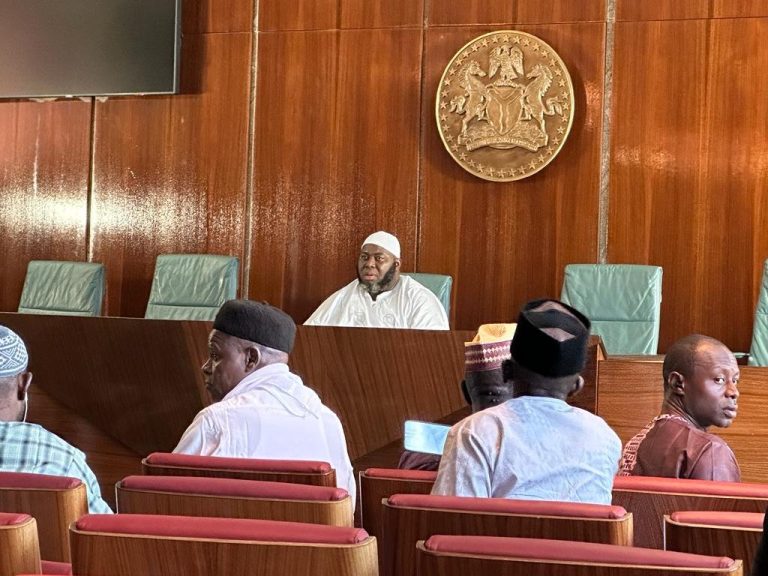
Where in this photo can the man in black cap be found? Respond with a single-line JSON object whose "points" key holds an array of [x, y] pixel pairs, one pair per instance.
{"points": [[260, 409], [536, 446]]}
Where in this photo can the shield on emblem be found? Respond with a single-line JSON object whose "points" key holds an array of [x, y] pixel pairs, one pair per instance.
{"points": [[504, 104]]}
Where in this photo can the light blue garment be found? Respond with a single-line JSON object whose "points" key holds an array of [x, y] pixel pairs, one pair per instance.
{"points": [[31, 448], [531, 448]]}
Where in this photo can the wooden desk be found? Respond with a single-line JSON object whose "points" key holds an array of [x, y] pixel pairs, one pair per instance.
{"points": [[631, 392]]}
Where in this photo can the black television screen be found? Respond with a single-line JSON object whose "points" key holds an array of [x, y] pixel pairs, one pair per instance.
{"points": [[53, 48]]}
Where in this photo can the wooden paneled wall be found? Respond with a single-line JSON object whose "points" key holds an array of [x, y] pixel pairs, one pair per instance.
{"points": [[306, 124]]}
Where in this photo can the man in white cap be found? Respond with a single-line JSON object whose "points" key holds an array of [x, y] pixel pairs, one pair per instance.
{"points": [[28, 447], [380, 297]]}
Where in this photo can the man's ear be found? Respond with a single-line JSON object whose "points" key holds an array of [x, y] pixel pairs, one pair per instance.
{"points": [[465, 392], [577, 386], [23, 384], [676, 383], [252, 358], [397, 262]]}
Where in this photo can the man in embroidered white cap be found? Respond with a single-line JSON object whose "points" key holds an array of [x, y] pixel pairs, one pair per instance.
{"points": [[381, 297], [26, 447], [483, 385]]}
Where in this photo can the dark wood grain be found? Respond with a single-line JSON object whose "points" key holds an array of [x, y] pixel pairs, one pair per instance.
{"points": [[44, 151], [394, 13], [512, 13], [689, 9], [170, 172], [506, 243], [336, 159], [298, 14], [682, 169], [208, 16]]}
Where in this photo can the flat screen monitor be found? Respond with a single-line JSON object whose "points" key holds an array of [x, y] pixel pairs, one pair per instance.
{"points": [[55, 48]]}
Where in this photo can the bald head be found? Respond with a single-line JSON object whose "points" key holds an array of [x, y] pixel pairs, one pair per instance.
{"points": [[683, 354]]}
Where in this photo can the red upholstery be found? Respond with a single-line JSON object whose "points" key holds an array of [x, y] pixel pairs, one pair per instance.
{"points": [[729, 519], [508, 506], [220, 528], [12, 518], [563, 550], [235, 488], [685, 486], [26, 481], [252, 464], [398, 474], [54, 568]]}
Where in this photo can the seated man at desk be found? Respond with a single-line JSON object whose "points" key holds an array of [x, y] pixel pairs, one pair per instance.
{"points": [[260, 409], [700, 390], [536, 446], [26, 447], [380, 297], [483, 385]]}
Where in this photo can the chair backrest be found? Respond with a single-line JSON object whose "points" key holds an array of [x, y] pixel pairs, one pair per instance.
{"points": [[55, 501], [412, 517], [19, 549], [191, 286], [733, 534], [758, 352], [649, 498], [129, 544], [379, 483], [230, 498], [63, 288], [623, 302], [463, 555], [310, 472], [438, 284]]}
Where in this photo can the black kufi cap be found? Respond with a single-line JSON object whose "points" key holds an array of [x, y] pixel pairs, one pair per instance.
{"points": [[551, 339], [257, 322]]}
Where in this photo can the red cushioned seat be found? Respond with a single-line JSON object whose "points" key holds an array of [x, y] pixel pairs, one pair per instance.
{"points": [[55, 568], [565, 551], [220, 528], [12, 518], [748, 520], [508, 506], [234, 488], [252, 464], [395, 473], [27, 480], [686, 486]]}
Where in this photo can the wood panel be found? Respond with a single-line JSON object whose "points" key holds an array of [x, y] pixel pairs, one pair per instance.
{"points": [[513, 12], [206, 16], [367, 14], [298, 14], [630, 394], [44, 151], [687, 169], [336, 158], [506, 243], [689, 9], [170, 172]]}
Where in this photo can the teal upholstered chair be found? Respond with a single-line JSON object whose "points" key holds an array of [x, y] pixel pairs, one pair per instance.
{"points": [[63, 288], [191, 286], [439, 285], [623, 301], [758, 353]]}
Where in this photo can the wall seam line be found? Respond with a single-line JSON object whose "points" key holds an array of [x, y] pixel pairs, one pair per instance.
{"points": [[605, 143], [250, 162]]}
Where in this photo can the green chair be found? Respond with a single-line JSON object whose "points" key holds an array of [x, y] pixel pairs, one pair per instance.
{"points": [[623, 301], [63, 288], [438, 284], [191, 286], [758, 353]]}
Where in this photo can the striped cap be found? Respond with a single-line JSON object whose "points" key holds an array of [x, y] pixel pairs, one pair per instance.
{"points": [[489, 348]]}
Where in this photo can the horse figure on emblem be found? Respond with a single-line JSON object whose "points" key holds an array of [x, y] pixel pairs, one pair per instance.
{"points": [[534, 106], [472, 103]]}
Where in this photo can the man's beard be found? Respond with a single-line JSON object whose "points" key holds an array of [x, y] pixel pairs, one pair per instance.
{"points": [[376, 288]]}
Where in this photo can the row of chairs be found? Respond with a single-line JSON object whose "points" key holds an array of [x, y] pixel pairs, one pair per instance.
{"points": [[400, 519], [184, 287]]}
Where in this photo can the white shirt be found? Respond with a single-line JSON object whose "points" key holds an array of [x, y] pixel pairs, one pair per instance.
{"points": [[531, 448], [408, 305], [271, 414]]}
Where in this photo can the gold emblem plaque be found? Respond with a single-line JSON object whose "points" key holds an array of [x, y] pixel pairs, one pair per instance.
{"points": [[504, 106]]}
